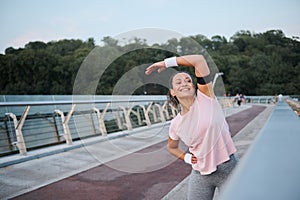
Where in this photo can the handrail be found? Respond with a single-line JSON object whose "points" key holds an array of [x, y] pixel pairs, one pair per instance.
{"points": [[112, 100], [270, 168], [64, 123], [49, 103]]}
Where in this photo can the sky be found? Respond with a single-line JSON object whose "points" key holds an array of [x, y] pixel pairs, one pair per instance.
{"points": [[24, 21]]}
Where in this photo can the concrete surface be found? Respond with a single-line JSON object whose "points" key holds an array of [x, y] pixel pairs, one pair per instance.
{"points": [[54, 164], [270, 168]]}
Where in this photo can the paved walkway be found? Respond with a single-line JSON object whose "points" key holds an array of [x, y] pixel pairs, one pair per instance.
{"points": [[136, 166]]}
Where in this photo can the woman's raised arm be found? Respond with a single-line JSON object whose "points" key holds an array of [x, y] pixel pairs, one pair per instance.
{"points": [[196, 61]]}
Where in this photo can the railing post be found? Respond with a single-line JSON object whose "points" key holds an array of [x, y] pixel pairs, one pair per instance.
{"points": [[127, 116], [154, 113], [18, 128], [65, 122], [165, 109], [161, 112], [119, 121], [101, 119], [55, 126], [146, 113], [137, 114]]}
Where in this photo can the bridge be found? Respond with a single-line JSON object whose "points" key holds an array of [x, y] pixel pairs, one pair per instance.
{"points": [[90, 157]]}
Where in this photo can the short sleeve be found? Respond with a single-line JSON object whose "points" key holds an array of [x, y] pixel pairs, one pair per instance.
{"points": [[172, 131]]}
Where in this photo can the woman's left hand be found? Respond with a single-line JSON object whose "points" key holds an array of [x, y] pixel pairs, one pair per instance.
{"points": [[159, 66]]}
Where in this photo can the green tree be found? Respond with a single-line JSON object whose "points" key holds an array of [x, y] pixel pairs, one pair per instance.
{"points": [[252, 63]]}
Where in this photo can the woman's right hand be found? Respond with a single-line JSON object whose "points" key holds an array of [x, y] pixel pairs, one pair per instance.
{"points": [[194, 159], [159, 66]]}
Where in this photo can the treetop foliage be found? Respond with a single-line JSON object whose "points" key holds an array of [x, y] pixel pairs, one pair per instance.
{"points": [[253, 63]]}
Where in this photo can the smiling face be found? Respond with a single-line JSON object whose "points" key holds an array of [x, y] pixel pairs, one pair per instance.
{"points": [[182, 86]]}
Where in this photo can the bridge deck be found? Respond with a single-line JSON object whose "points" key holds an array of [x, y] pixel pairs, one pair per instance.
{"points": [[109, 180]]}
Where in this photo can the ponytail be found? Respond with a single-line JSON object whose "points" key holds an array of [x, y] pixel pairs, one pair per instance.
{"points": [[173, 100]]}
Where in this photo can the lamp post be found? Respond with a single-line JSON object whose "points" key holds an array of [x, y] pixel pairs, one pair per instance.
{"points": [[215, 78]]}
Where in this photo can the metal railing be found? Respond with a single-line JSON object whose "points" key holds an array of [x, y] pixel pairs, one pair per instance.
{"points": [[26, 125], [270, 168], [53, 122]]}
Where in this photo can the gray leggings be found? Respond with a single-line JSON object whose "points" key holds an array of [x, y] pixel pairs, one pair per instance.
{"points": [[202, 187]]}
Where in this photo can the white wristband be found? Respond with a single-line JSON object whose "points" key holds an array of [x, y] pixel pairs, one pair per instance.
{"points": [[171, 62], [188, 158]]}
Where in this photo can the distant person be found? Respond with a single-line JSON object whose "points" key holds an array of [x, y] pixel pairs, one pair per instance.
{"points": [[239, 99], [201, 125], [243, 99], [275, 99], [280, 97]]}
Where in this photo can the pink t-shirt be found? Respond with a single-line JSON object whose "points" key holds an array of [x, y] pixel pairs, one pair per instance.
{"points": [[205, 131]]}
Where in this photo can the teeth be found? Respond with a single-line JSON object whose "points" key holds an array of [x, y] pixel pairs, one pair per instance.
{"points": [[185, 89]]}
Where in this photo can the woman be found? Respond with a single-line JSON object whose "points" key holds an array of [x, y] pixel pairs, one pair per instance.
{"points": [[201, 125]]}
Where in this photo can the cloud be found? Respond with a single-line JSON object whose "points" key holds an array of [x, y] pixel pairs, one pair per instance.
{"points": [[44, 36], [21, 40], [56, 29]]}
